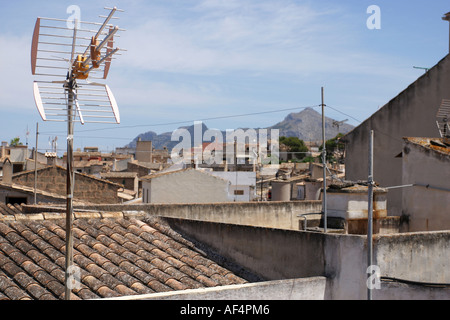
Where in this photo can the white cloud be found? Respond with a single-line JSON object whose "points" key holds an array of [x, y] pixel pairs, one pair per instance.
{"points": [[224, 36]]}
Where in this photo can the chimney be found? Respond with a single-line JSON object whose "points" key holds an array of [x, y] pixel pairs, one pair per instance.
{"points": [[7, 171], [51, 158], [3, 149], [446, 17]]}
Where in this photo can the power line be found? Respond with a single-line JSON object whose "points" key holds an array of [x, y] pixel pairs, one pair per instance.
{"points": [[190, 121], [359, 121]]}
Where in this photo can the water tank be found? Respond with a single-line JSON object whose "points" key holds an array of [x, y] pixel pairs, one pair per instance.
{"points": [[281, 191]]}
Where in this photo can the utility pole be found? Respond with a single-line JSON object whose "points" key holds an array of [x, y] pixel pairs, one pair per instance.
{"points": [[324, 163], [370, 214]]}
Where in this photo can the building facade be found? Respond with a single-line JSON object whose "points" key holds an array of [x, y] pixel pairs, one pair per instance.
{"points": [[411, 114]]}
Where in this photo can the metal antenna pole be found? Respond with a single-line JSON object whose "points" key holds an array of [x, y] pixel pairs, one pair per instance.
{"points": [[70, 184], [370, 215], [324, 163], [35, 162]]}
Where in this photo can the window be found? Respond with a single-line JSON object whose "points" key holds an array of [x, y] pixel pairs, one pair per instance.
{"points": [[238, 192]]}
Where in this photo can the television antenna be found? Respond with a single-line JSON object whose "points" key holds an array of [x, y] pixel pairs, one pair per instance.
{"points": [[422, 68], [443, 122], [338, 124], [74, 55]]}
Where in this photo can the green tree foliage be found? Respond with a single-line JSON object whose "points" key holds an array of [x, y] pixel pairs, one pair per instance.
{"points": [[294, 145], [15, 142], [333, 145]]}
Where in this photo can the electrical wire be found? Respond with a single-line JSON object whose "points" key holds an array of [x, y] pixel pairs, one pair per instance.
{"points": [[190, 121]]}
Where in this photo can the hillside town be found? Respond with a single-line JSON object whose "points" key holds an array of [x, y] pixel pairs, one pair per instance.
{"points": [[361, 213]]}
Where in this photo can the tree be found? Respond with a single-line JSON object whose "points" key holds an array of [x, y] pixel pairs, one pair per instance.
{"points": [[295, 146], [15, 142], [333, 146]]}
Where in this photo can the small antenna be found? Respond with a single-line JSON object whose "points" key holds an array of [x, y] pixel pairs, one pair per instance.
{"points": [[422, 68], [338, 124], [27, 135]]}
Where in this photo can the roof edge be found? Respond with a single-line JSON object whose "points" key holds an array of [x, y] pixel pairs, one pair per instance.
{"points": [[344, 138]]}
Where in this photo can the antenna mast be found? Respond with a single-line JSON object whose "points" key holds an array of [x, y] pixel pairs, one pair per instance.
{"points": [[73, 97]]}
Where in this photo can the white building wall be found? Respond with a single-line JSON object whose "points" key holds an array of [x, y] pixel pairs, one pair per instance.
{"points": [[427, 208], [239, 180], [190, 186]]}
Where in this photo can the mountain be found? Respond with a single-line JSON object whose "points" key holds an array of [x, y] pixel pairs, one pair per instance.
{"points": [[163, 139], [305, 125]]}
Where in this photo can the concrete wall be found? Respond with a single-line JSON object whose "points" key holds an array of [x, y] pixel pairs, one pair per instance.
{"points": [[426, 208], [401, 291], [422, 256], [144, 151], [189, 186], [280, 215], [293, 289], [240, 180], [271, 254], [411, 114], [281, 254]]}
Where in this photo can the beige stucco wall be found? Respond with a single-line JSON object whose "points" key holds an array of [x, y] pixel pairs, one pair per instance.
{"points": [[355, 204], [191, 186], [411, 114], [426, 208], [270, 214]]}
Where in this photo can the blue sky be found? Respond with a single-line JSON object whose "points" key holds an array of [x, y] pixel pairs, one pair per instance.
{"points": [[196, 59]]}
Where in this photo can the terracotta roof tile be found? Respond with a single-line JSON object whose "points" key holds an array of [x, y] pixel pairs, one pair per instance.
{"points": [[116, 257]]}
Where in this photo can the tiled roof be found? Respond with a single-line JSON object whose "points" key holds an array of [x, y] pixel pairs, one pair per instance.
{"points": [[118, 256], [10, 209]]}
